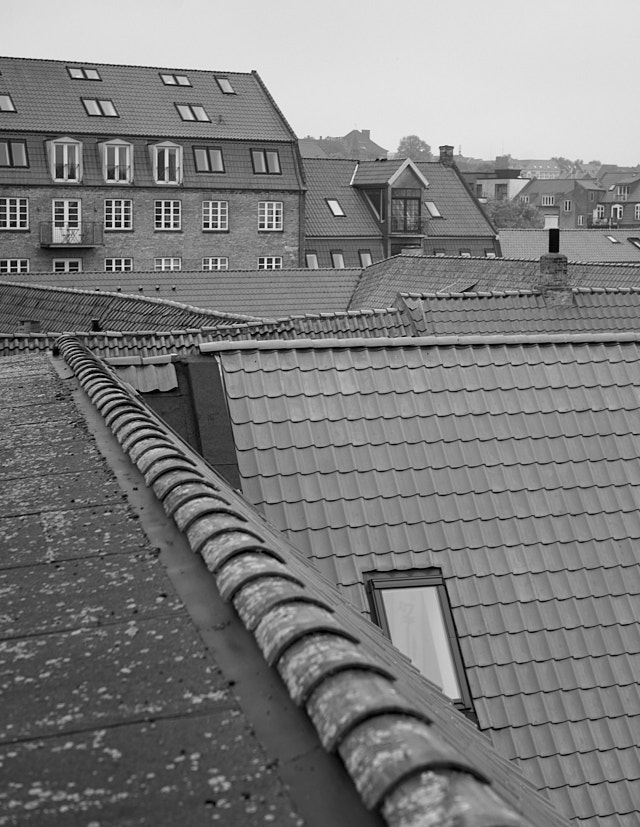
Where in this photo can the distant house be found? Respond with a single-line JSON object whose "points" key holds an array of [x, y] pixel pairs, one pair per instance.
{"points": [[538, 168], [355, 144], [567, 203], [620, 204]]}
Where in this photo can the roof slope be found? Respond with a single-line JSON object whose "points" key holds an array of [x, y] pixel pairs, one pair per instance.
{"points": [[381, 282], [331, 178], [461, 213], [47, 99], [576, 245], [514, 468]]}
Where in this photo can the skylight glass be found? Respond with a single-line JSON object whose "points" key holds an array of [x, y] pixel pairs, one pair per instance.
{"points": [[6, 104], [192, 112], [434, 212], [83, 73], [175, 80], [334, 206], [225, 86], [100, 108]]}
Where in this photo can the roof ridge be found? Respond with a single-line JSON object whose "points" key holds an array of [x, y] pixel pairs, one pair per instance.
{"points": [[120, 65]]}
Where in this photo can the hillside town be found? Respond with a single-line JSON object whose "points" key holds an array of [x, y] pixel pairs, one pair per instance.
{"points": [[320, 463]]}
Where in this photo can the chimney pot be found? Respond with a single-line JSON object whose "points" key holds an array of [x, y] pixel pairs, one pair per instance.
{"points": [[446, 155]]}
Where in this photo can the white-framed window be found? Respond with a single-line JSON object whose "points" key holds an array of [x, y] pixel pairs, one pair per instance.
{"points": [[13, 154], [617, 211], [67, 221], [337, 259], [270, 263], [67, 265], [265, 161], [580, 220], [366, 259], [168, 215], [566, 205], [167, 163], [208, 159], [547, 200], [14, 213], [65, 158], [117, 162], [270, 215], [167, 263], [636, 212], [524, 199], [311, 260], [14, 265], [622, 192], [215, 216], [215, 263], [118, 265], [600, 211], [118, 214]]}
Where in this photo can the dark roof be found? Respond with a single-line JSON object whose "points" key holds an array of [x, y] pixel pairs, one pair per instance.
{"points": [[47, 99], [382, 281], [512, 466], [256, 293], [397, 736], [331, 178], [576, 245]]}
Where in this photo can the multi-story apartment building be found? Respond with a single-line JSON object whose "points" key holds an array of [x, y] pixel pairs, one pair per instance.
{"points": [[125, 168]]}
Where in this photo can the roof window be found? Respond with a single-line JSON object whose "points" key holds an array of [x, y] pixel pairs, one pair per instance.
{"points": [[83, 73], [635, 242], [334, 206], [6, 104], [613, 239], [192, 112], [99, 108], [175, 80], [265, 161], [433, 211], [225, 86]]}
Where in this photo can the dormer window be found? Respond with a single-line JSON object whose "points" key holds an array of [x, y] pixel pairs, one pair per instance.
{"points": [[622, 192], [192, 112], [83, 73], [225, 86], [117, 162], [65, 159], [334, 206], [167, 163], [99, 108], [7, 104], [170, 79]]}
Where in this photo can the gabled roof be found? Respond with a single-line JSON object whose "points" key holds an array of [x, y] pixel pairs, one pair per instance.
{"points": [[513, 466], [256, 293], [576, 245], [461, 213], [48, 99], [384, 172]]}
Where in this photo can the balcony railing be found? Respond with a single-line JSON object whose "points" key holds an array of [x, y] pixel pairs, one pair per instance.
{"points": [[409, 226], [84, 234]]}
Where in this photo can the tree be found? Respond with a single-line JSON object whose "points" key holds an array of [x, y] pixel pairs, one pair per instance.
{"points": [[411, 146], [515, 215]]}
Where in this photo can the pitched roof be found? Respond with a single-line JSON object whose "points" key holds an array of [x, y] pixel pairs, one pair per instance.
{"points": [[461, 212], [577, 245], [381, 282], [403, 746], [48, 99], [512, 466], [256, 293]]}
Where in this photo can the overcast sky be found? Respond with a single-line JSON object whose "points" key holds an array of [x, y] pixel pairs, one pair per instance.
{"points": [[532, 79]]}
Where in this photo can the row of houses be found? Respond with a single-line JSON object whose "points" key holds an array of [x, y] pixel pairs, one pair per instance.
{"points": [[123, 168]]}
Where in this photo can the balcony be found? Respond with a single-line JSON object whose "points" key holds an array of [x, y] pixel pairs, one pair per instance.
{"points": [[83, 234], [408, 225]]}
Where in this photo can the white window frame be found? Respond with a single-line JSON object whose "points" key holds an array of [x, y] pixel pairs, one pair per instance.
{"points": [[69, 265], [167, 163], [14, 265], [66, 221], [567, 205], [215, 216], [617, 212], [270, 216], [118, 214], [599, 211], [65, 160], [14, 214], [337, 260], [119, 169], [311, 260], [118, 265], [167, 264], [215, 263], [636, 212], [580, 220], [622, 192], [547, 200], [524, 199], [167, 215], [270, 263], [366, 259]]}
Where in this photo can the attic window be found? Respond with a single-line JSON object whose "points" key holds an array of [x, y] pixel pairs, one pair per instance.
{"points": [[192, 112], [433, 211], [83, 73], [175, 80], [635, 242], [225, 86], [265, 161], [99, 108], [6, 104], [334, 206], [613, 239]]}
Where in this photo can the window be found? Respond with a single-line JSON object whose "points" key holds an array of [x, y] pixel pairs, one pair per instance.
{"points": [[14, 213], [617, 211], [167, 163], [365, 258], [439, 253], [168, 215], [116, 159], [337, 259], [592, 196], [265, 161], [215, 263], [548, 200], [175, 80], [636, 212], [14, 265], [67, 224], [99, 108], [567, 206], [635, 242], [67, 265], [465, 253], [489, 253], [405, 211], [225, 86], [192, 112], [118, 265], [215, 215], [208, 159], [270, 216], [118, 214], [66, 160], [622, 192], [83, 73], [412, 608], [613, 239], [433, 211], [6, 104], [335, 207], [311, 260], [168, 263], [13, 154], [580, 220], [524, 199], [600, 211], [270, 263]]}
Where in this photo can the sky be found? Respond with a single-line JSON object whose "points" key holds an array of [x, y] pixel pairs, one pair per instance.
{"points": [[532, 79]]}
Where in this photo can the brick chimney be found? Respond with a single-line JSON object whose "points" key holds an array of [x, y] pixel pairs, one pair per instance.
{"points": [[553, 277], [446, 156]]}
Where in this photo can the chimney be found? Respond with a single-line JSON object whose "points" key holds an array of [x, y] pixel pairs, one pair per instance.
{"points": [[553, 277], [366, 133], [446, 156]]}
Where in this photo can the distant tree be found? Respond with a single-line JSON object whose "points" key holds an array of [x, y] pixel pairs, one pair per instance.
{"points": [[515, 215], [411, 146], [565, 164]]}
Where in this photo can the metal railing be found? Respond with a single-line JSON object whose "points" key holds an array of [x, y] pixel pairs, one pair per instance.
{"points": [[82, 234]]}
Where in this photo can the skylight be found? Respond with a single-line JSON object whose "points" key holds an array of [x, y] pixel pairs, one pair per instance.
{"points": [[83, 73], [635, 242], [613, 239], [175, 80], [192, 112], [334, 206], [434, 212], [100, 108], [225, 86], [6, 104]]}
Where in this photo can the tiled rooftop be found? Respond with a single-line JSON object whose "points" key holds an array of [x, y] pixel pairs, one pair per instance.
{"points": [[462, 215], [514, 468], [576, 245]]}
